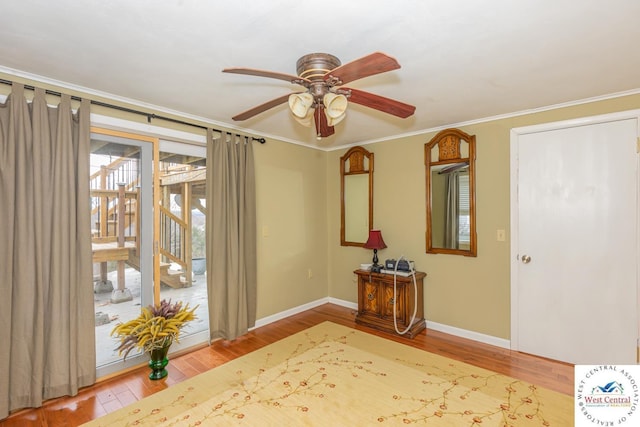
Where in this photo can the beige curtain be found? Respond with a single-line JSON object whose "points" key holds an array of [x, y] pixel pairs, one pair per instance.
{"points": [[46, 299], [231, 236]]}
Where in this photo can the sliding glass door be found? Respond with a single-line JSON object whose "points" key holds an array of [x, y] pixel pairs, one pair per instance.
{"points": [[142, 255], [122, 235], [183, 276]]}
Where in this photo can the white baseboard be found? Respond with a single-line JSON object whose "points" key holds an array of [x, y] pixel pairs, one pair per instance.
{"points": [[290, 312], [451, 330], [343, 303], [471, 335]]}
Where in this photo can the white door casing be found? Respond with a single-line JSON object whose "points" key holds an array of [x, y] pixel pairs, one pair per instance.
{"points": [[574, 212]]}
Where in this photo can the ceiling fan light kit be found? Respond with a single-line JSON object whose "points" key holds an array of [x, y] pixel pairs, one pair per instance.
{"points": [[326, 100], [306, 120], [300, 103], [335, 107]]}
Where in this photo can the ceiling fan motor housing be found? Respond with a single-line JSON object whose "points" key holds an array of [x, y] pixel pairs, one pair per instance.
{"points": [[315, 65]]}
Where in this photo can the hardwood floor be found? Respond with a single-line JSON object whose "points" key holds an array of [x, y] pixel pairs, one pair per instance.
{"points": [[112, 394]]}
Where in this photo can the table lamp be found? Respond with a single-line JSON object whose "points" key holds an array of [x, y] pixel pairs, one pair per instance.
{"points": [[375, 242]]}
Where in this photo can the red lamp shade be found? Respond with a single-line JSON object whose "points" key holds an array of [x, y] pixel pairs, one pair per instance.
{"points": [[375, 240]]}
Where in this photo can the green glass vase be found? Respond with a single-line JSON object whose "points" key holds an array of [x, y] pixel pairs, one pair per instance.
{"points": [[158, 361]]}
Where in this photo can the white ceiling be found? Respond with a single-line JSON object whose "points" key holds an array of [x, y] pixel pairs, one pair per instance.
{"points": [[462, 60]]}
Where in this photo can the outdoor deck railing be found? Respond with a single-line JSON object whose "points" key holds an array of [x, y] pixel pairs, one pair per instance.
{"points": [[173, 235]]}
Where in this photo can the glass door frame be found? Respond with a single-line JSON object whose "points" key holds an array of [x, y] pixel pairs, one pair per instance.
{"points": [[189, 148], [149, 259]]}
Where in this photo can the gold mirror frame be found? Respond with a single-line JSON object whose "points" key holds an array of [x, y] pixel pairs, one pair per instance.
{"points": [[450, 151], [356, 196]]}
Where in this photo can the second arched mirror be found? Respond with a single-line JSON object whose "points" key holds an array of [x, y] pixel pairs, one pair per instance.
{"points": [[356, 194], [450, 184]]}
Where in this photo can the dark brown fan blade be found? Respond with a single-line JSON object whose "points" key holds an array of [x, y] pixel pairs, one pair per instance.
{"points": [[270, 74], [369, 65], [381, 103], [322, 126], [261, 108]]}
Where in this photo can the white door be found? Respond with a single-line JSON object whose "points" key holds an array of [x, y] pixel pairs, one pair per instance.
{"points": [[575, 242]]}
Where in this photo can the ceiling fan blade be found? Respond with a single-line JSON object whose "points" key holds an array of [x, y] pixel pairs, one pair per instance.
{"points": [[270, 74], [369, 65], [322, 126], [381, 103], [261, 108]]}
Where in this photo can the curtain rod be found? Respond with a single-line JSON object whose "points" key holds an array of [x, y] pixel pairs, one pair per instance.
{"points": [[131, 110]]}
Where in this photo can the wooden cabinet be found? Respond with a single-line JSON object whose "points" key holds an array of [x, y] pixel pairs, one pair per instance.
{"points": [[376, 301]]}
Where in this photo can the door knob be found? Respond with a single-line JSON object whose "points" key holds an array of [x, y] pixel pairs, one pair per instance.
{"points": [[526, 259]]}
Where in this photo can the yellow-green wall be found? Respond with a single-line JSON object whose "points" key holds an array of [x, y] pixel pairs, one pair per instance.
{"points": [[462, 292], [292, 226]]}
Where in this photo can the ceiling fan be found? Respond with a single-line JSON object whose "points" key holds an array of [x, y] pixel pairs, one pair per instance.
{"points": [[325, 99]]}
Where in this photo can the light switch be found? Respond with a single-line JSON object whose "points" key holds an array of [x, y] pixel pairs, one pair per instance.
{"points": [[501, 235]]}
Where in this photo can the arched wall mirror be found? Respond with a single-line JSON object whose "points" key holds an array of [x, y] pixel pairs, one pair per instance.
{"points": [[450, 177], [356, 194]]}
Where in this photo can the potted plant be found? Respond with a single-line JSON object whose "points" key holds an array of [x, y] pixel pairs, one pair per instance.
{"points": [[153, 332]]}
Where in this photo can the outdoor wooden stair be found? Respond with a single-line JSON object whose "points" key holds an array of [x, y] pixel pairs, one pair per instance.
{"points": [[117, 219], [172, 278], [130, 212]]}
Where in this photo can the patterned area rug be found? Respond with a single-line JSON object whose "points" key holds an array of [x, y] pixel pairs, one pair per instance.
{"points": [[332, 375]]}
